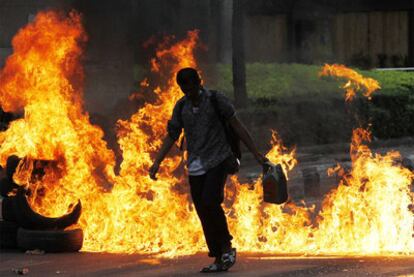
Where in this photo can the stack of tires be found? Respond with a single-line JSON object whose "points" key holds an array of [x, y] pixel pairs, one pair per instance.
{"points": [[21, 227], [8, 227], [50, 240]]}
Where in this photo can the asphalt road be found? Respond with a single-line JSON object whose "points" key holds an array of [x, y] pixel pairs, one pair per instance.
{"points": [[97, 264]]}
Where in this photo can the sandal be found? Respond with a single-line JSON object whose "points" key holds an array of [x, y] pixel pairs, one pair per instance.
{"points": [[217, 266], [228, 259]]}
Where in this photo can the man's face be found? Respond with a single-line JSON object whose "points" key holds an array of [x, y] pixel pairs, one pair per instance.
{"points": [[190, 88]]}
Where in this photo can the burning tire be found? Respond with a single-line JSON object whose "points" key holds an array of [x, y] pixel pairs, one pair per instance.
{"points": [[6, 186], [8, 234], [29, 219], [50, 241]]}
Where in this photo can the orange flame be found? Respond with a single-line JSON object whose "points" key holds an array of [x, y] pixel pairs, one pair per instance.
{"points": [[357, 216], [44, 77], [279, 154], [161, 209], [355, 81], [367, 214]]}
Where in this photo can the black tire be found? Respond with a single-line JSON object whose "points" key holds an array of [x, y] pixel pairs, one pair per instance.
{"points": [[7, 209], [8, 234], [6, 186], [50, 241], [29, 219]]}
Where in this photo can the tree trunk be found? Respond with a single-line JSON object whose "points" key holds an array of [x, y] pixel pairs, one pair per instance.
{"points": [[239, 66], [291, 34], [411, 36]]}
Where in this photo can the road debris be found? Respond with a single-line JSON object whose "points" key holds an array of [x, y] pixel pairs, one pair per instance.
{"points": [[35, 252], [21, 271]]}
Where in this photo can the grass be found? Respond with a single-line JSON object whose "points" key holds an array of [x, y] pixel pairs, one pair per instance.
{"points": [[271, 81]]}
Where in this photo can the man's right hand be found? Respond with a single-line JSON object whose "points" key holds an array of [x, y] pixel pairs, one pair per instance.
{"points": [[153, 170], [260, 158]]}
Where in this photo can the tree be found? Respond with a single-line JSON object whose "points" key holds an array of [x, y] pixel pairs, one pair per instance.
{"points": [[239, 65]]}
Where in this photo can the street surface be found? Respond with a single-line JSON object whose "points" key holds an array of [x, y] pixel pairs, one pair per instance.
{"points": [[96, 264]]}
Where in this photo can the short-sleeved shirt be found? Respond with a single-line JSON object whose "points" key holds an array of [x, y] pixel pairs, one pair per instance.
{"points": [[203, 130]]}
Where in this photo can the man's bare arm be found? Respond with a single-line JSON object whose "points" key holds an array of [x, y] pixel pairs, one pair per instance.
{"points": [[247, 139], [167, 143]]}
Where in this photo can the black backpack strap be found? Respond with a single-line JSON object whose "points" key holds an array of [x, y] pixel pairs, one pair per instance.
{"points": [[180, 118], [214, 101], [232, 138], [180, 112]]}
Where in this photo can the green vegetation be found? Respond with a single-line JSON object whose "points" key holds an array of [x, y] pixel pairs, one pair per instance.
{"points": [[314, 106], [296, 93], [393, 82], [278, 80], [272, 81]]}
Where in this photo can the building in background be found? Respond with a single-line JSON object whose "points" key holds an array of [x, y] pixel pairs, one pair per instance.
{"points": [[364, 33]]}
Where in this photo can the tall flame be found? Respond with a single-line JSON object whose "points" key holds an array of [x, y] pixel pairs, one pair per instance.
{"points": [[367, 214], [44, 78], [369, 211], [161, 210]]}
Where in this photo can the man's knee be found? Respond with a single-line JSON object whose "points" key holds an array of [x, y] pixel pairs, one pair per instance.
{"points": [[209, 205]]}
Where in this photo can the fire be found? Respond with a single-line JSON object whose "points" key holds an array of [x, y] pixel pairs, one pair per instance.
{"points": [[369, 211], [162, 212], [279, 154], [125, 213], [43, 78], [367, 214], [355, 81]]}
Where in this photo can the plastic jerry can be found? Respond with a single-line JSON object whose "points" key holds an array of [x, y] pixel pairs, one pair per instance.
{"points": [[274, 184]]}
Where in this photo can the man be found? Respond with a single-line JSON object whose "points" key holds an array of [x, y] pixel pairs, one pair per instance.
{"points": [[208, 150]]}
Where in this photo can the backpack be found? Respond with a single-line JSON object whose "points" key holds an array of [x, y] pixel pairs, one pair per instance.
{"points": [[232, 138]]}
